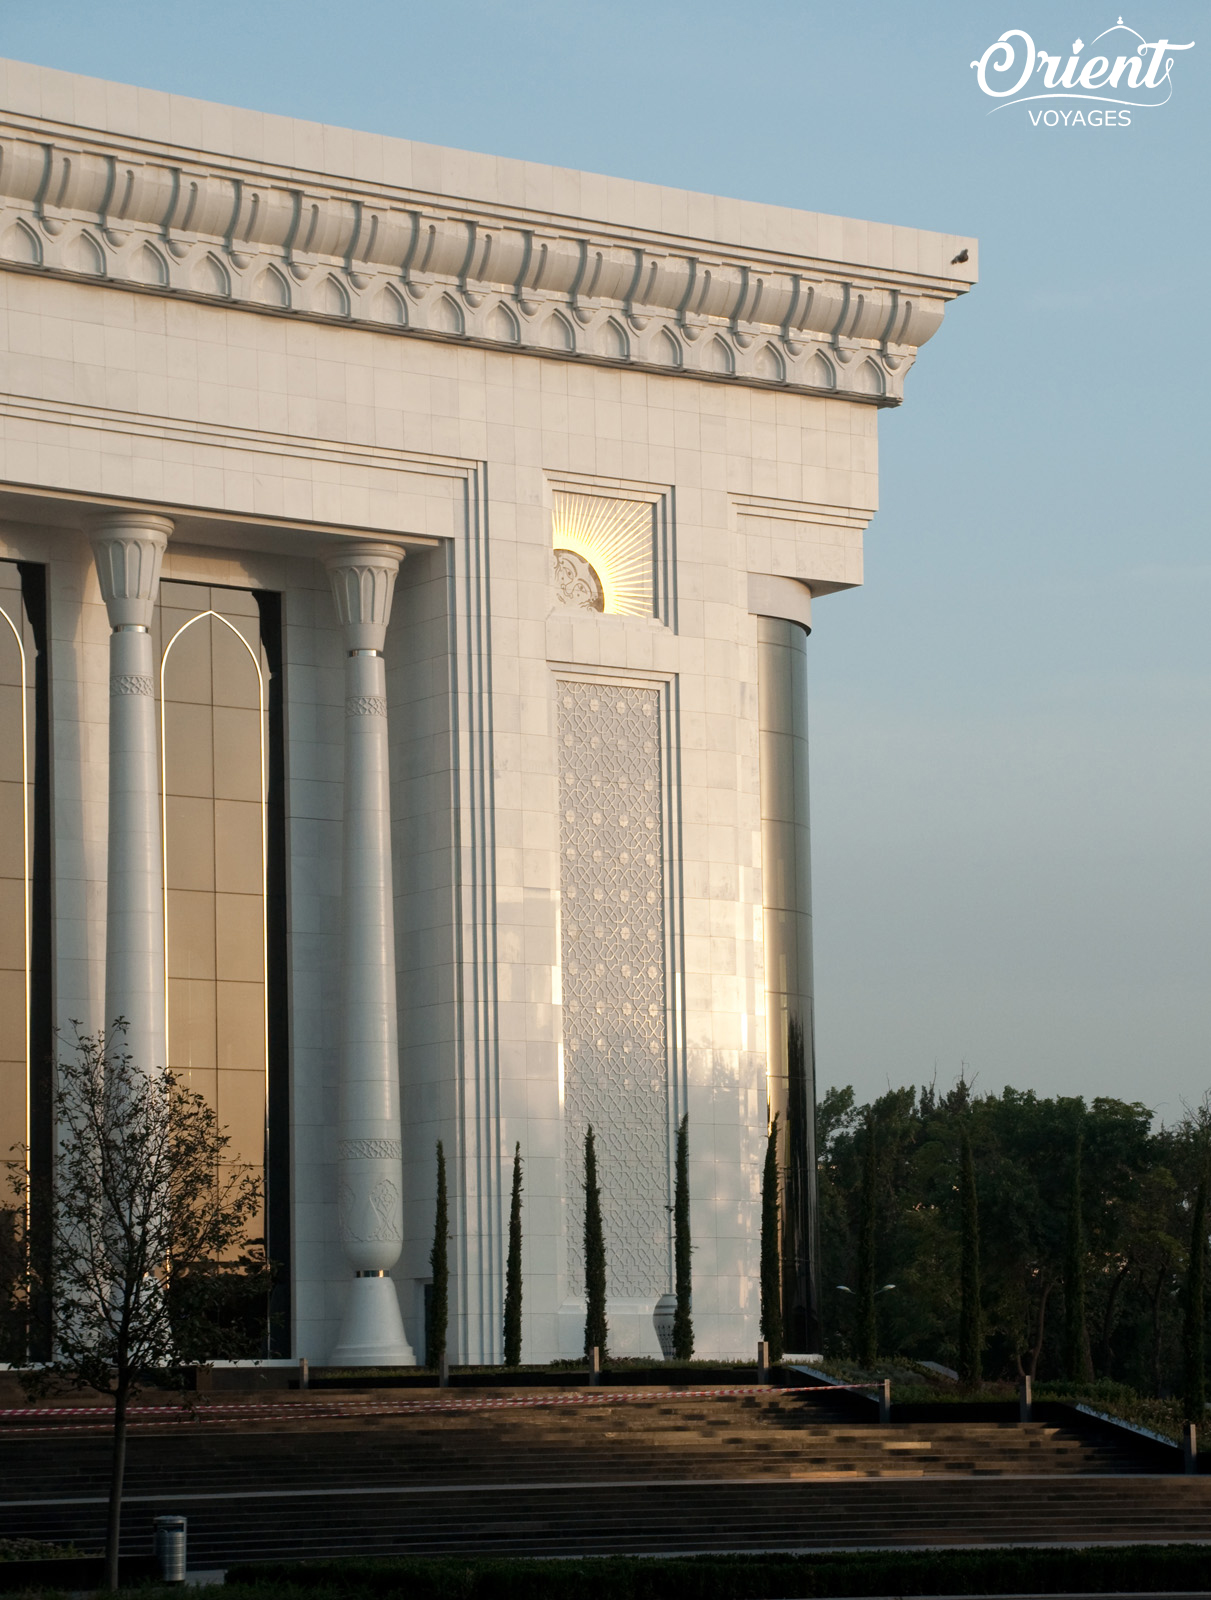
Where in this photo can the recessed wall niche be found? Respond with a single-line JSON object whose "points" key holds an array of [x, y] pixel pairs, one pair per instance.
{"points": [[604, 553]]}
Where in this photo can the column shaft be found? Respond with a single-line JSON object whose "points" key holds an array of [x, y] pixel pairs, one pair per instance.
{"points": [[134, 920], [786, 893], [370, 1184], [128, 547]]}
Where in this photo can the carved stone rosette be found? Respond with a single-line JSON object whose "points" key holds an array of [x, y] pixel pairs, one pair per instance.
{"points": [[369, 1180], [128, 547]]}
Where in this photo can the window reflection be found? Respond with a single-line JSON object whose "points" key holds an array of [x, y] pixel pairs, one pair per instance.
{"points": [[15, 714], [213, 709]]}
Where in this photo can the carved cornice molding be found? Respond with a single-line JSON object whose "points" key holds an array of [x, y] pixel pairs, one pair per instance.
{"points": [[274, 241]]}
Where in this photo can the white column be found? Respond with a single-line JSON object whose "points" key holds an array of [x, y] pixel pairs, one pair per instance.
{"points": [[370, 1178], [128, 547]]}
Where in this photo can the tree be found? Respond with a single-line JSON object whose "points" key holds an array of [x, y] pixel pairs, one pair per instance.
{"points": [[150, 1255], [683, 1325], [513, 1271], [1077, 1364], [439, 1261], [1194, 1356], [971, 1331], [868, 1331], [596, 1329], [771, 1275]]}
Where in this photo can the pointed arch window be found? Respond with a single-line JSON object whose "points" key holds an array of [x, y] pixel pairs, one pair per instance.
{"points": [[15, 713], [214, 749], [26, 951]]}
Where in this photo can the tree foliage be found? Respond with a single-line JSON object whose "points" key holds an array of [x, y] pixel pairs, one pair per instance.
{"points": [[1194, 1321], [683, 1324], [439, 1264], [151, 1267], [596, 1329], [868, 1327], [1133, 1196], [970, 1360], [513, 1271], [771, 1263], [1078, 1364]]}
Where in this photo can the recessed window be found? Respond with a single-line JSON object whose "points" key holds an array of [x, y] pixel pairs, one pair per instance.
{"points": [[213, 704]]}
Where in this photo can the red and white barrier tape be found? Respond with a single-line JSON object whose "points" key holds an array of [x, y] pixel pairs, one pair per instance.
{"points": [[237, 1408]]}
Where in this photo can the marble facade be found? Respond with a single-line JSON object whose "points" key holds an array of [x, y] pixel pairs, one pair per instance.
{"points": [[519, 483]]}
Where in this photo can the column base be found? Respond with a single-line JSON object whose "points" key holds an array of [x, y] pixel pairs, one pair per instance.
{"points": [[372, 1329]]}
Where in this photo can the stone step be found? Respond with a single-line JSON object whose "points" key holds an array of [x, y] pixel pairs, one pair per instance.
{"points": [[640, 1517]]}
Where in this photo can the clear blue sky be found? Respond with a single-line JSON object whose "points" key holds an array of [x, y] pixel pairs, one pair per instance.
{"points": [[1012, 762]]}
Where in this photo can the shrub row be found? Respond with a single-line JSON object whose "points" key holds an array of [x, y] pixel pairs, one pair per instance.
{"points": [[1142, 1568]]}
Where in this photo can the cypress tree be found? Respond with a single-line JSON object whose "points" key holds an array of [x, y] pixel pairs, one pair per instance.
{"points": [[1194, 1354], [971, 1332], [596, 1329], [1077, 1364], [683, 1326], [513, 1271], [868, 1330], [771, 1276], [439, 1303]]}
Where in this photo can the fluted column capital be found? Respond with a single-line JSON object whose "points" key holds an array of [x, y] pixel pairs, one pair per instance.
{"points": [[128, 547], [363, 582]]}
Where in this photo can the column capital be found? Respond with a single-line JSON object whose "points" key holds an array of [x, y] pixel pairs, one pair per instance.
{"points": [[128, 547], [363, 582]]}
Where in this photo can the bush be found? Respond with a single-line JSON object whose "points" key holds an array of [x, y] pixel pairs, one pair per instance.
{"points": [[1143, 1568]]}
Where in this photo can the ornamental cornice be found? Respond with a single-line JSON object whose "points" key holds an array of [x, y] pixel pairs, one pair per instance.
{"points": [[277, 241]]}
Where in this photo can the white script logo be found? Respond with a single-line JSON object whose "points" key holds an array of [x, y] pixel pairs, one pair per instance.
{"points": [[1140, 80]]}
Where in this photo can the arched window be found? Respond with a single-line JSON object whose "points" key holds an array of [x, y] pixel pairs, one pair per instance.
{"points": [[214, 749], [15, 709], [26, 955]]}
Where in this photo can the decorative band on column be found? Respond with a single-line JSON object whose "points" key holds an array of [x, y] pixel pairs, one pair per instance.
{"points": [[370, 1149], [365, 705], [131, 683]]}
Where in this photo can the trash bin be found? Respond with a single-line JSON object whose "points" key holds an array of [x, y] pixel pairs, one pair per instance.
{"points": [[170, 1548]]}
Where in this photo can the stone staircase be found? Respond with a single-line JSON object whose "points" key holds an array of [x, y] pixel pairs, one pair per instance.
{"points": [[759, 1472]]}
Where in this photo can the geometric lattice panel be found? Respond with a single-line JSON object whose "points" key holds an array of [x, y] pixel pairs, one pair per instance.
{"points": [[615, 1059]]}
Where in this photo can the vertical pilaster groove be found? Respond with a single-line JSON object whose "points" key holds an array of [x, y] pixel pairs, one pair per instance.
{"points": [[478, 1197]]}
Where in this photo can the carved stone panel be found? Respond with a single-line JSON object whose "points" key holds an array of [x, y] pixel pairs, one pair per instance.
{"points": [[613, 943]]}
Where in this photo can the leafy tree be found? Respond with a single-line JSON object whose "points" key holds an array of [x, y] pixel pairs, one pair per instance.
{"points": [[1194, 1355], [1137, 1185], [800, 1244], [683, 1326], [513, 1271], [971, 1331], [596, 1328], [151, 1261], [1077, 1364], [868, 1330], [439, 1262], [771, 1276]]}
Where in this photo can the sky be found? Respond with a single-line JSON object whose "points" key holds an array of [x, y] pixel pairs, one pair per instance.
{"points": [[1011, 763]]}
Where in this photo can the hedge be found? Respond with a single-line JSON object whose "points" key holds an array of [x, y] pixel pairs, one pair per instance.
{"points": [[1027, 1570]]}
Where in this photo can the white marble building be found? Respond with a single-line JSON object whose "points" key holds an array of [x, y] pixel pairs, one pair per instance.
{"points": [[406, 562]]}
